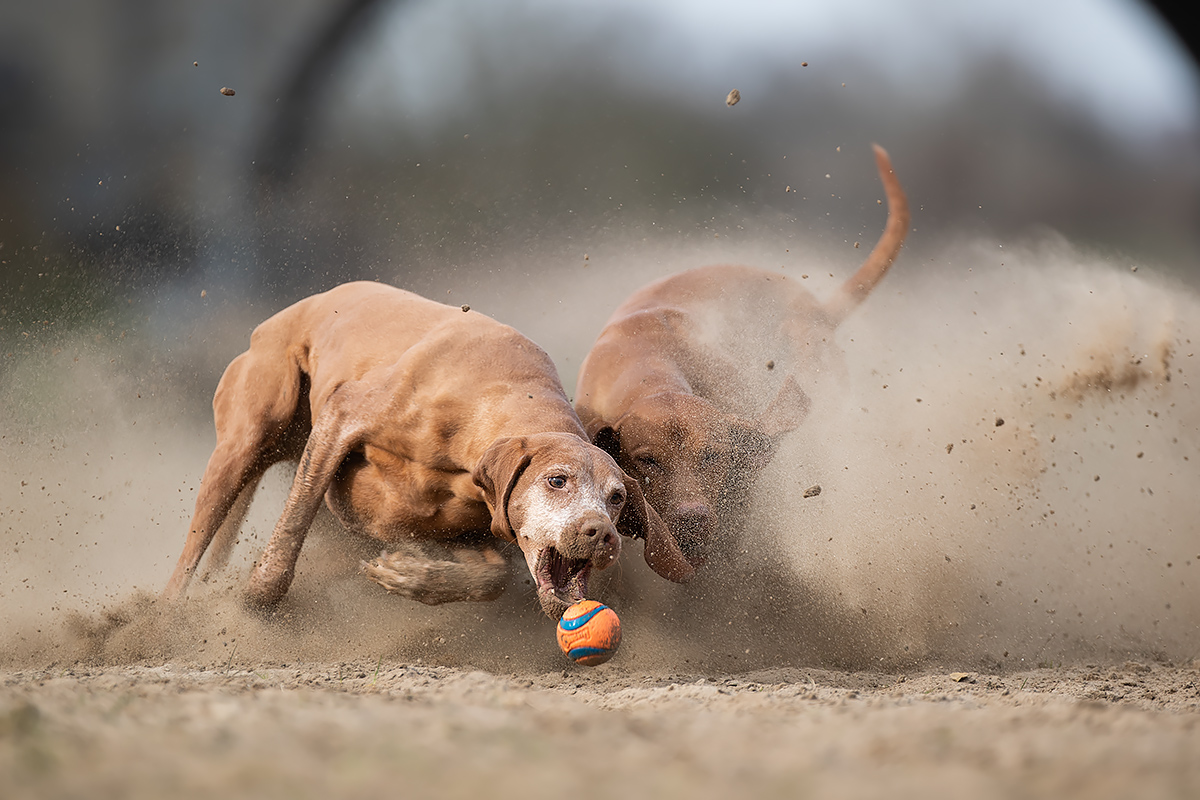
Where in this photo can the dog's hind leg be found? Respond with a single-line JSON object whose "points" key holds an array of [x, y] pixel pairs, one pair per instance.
{"points": [[230, 469], [257, 406], [226, 536]]}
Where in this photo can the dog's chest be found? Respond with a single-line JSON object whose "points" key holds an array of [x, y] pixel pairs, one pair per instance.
{"points": [[390, 498]]}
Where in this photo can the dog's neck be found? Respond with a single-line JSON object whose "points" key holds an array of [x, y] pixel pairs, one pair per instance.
{"points": [[522, 412]]}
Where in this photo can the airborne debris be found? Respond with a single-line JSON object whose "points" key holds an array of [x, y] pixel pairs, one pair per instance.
{"points": [[732, 98], [812, 491], [465, 308], [225, 90]]}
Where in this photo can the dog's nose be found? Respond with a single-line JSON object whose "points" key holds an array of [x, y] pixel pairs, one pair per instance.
{"points": [[694, 517], [594, 539], [599, 534]]}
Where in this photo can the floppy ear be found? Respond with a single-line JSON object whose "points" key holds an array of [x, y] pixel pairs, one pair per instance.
{"points": [[497, 474], [754, 442], [639, 521], [787, 410]]}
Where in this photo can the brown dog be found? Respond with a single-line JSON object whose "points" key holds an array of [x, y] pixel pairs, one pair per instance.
{"points": [[416, 422], [674, 386]]}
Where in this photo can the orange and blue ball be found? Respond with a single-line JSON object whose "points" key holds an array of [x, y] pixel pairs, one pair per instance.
{"points": [[589, 633]]}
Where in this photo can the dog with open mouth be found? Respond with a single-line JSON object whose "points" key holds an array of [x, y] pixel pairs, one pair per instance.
{"points": [[431, 428]]}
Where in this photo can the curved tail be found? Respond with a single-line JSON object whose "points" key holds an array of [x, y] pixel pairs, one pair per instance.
{"points": [[860, 284]]}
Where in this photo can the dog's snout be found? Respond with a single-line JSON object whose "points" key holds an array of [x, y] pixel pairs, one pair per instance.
{"points": [[694, 518], [595, 540], [603, 538], [600, 533]]}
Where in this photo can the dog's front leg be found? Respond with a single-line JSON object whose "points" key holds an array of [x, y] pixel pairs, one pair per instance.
{"points": [[339, 428]]}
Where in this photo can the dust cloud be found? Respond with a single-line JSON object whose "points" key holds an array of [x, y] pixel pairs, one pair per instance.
{"points": [[1006, 479], [1009, 478]]}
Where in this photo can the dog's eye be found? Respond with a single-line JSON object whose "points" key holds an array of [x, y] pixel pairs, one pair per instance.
{"points": [[617, 498], [647, 463], [556, 481]]}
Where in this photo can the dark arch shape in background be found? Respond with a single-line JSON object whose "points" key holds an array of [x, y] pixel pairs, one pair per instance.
{"points": [[282, 142], [1182, 19]]}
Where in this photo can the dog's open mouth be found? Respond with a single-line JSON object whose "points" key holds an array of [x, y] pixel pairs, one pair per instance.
{"points": [[561, 581]]}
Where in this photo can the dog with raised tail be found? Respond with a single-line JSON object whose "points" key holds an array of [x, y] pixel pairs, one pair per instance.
{"points": [[696, 376]]}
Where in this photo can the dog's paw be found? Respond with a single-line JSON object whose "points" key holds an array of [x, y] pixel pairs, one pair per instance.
{"points": [[466, 574]]}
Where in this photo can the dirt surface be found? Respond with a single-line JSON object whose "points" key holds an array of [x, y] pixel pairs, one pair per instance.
{"points": [[366, 730], [966, 608]]}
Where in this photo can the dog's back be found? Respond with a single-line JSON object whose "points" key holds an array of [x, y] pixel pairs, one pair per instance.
{"points": [[451, 353], [727, 333]]}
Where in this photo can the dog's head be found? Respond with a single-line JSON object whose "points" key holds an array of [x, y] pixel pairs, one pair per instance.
{"points": [[689, 457], [684, 453], [565, 502]]}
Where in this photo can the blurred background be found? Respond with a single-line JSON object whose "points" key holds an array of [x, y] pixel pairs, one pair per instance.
{"points": [[409, 140], [173, 173]]}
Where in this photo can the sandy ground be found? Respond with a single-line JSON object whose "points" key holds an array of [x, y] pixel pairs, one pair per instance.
{"points": [[991, 595], [364, 730]]}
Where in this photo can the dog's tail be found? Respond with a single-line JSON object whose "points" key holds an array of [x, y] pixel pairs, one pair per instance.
{"points": [[860, 284]]}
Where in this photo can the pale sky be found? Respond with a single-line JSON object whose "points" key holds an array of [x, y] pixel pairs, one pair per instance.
{"points": [[1114, 57]]}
